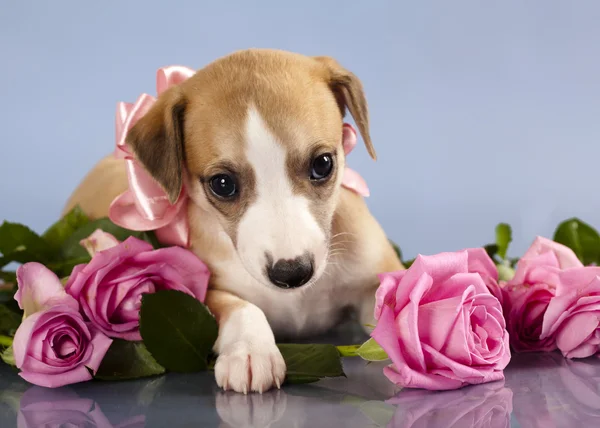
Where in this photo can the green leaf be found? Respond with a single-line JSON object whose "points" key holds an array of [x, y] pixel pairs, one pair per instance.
{"points": [[64, 268], [178, 330], [8, 276], [20, 243], [491, 250], [372, 351], [60, 231], [6, 296], [72, 248], [8, 356], [9, 321], [348, 350], [128, 360], [311, 362], [405, 263], [503, 238], [581, 238], [396, 249]]}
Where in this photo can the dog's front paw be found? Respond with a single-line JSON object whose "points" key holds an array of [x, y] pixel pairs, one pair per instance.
{"points": [[244, 367]]}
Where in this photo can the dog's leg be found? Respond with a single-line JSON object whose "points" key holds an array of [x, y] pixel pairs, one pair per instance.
{"points": [[248, 358]]}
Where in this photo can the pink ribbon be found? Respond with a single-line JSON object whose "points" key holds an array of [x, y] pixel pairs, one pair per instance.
{"points": [[145, 205], [352, 179]]}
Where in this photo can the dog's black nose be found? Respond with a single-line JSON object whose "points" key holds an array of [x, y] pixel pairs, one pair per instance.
{"points": [[291, 273]]}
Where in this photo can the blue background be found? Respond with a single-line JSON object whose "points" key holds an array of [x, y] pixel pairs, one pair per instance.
{"points": [[481, 111]]}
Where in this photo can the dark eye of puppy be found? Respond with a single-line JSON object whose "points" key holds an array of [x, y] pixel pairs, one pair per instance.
{"points": [[321, 167], [223, 186]]}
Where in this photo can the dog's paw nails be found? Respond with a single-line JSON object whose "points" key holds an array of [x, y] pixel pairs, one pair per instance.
{"points": [[244, 368]]}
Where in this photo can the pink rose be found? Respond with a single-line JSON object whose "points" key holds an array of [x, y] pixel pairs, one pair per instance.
{"points": [[53, 346], [573, 316], [110, 287], [440, 325], [530, 291]]}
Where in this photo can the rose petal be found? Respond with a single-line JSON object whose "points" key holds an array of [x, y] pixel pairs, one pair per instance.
{"points": [[40, 288], [575, 330], [386, 293], [480, 262], [579, 279], [565, 256], [407, 326], [99, 345], [439, 267], [442, 326], [78, 374], [194, 272], [406, 377], [99, 241], [386, 336]]}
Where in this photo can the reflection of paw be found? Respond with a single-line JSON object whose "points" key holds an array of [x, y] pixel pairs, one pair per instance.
{"points": [[251, 410], [243, 367]]}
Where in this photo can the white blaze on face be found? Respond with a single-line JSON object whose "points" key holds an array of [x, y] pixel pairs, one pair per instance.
{"points": [[278, 222]]}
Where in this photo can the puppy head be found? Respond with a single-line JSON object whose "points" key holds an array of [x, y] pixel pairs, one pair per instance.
{"points": [[257, 139]]}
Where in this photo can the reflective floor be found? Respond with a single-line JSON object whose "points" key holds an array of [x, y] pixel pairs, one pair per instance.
{"points": [[540, 390]]}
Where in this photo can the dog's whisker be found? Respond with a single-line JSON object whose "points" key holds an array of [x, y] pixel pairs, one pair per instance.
{"points": [[343, 233]]}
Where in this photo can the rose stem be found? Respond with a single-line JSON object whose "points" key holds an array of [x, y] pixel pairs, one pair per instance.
{"points": [[6, 341]]}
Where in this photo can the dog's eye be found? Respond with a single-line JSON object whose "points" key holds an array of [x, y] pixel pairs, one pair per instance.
{"points": [[223, 186], [321, 167]]}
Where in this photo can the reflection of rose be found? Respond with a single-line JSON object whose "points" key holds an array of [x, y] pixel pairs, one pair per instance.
{"points": [[50, 408], [54, 408], [575, 390], [525, 376], [582, 380], [488, 405]]}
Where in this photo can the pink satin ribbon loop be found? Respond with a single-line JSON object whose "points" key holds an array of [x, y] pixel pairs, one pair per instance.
{"points": [[351, 179], [145, 205]]}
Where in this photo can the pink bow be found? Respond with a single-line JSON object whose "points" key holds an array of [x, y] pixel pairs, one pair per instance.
{"points": [[352, 179], [145, 205]]}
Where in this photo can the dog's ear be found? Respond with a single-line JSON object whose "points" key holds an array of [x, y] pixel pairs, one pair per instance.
{"points": [[349, 93], [157, 141]]}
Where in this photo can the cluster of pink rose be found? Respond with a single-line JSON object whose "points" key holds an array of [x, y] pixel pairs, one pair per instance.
{"points": [[67, 330], [448, 321]]}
